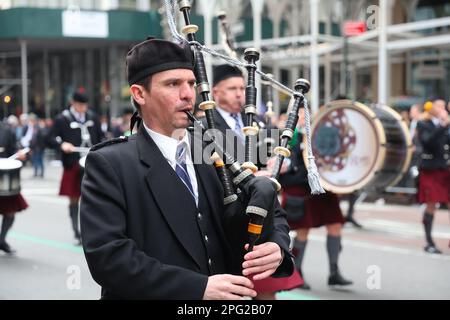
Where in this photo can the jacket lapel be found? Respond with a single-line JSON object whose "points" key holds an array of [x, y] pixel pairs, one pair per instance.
{"points": [[178, 213], [233, 144], [207, 178], [220, 122]]}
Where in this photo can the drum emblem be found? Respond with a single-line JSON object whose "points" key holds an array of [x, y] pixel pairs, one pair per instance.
{"points": [[334, 141], [359, 147]]}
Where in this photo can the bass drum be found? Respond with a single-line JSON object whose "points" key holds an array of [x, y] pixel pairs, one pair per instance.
{"points": [[9, 177], [357, 147]]}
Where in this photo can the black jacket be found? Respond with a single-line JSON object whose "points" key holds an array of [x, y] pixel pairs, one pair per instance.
{"points": [[61, 131], [234, 145], [37, 142], [7, 141], [297, 174], [435, 142], [144, 237]]}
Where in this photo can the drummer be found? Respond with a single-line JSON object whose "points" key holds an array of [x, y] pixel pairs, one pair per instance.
{"points": [[9, 205], [66, 134], [319, 210]]}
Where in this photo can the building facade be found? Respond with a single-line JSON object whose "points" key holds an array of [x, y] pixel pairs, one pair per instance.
{"points": [[49, 48]]}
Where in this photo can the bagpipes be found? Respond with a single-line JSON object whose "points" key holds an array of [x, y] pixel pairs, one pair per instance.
{"points": [[260, 191], [226, 36]]}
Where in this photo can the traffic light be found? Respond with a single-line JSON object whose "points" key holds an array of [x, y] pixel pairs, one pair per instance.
{"points": [[7, 99]]}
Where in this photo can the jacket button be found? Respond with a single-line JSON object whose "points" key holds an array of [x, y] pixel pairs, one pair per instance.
{"points": [[206, 238], [199, 216], [446, 147], [210, 262]]}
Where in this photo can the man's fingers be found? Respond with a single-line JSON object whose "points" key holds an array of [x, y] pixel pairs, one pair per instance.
{"points": [[259, 269], [259, 261], [263, 173], [263, 275], [228, 287], [241, 291], [241, 286], [261, 250], [239, 280]]}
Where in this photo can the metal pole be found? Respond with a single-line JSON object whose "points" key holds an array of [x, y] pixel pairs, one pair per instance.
{"points": [[327, 58], [46, 70], [89, 78], [382, 53], [276, 96], [114, 81], [257, 7], [346, 69], [24, 67], [207, 9], [314, 7], [208, 43]]}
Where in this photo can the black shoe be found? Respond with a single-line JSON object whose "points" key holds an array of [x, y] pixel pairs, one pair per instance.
{"points": [[336, 279], [430, 248], [5, 247], [353, 222]]}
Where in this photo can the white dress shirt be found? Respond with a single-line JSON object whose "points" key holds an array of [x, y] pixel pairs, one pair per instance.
{"points": [[230, 120], [436, 121], [168, 147], [81, 117]]}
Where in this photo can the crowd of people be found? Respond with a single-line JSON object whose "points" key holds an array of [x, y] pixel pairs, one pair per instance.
{"points": [[41, 140]]}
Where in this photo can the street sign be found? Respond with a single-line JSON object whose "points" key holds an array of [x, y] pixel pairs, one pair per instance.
{"points": [[85, 24], [354, 28]]}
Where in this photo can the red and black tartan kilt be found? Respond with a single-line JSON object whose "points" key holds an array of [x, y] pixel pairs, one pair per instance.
{"points": [[71, 181], [320, 210], [278, 284], [12, 204], [434, 186]]}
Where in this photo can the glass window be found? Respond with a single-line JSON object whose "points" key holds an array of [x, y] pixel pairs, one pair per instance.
{"points": [[127, 4]]}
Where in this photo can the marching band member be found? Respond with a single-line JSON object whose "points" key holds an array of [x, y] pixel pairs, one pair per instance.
{"points": [[434, 174], [152, 221], [9, 205], [319, 210], [74, 127], [229, 94]]}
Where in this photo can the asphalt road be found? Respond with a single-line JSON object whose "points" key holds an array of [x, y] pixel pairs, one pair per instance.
{"points": [[385, 259]]}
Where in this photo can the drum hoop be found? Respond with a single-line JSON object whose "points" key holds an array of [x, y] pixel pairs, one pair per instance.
{"points": [[409, 144], [17, 162], [380, 135]]}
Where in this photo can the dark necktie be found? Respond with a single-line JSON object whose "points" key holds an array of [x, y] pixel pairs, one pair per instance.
{"points": [[181, 168], [237, 126]]}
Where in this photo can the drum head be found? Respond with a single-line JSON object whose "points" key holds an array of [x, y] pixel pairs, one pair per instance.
{"points": [[346, 139], [9, 164]]}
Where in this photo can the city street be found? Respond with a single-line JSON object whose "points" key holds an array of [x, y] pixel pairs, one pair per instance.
{"points": [[385, 259]]}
